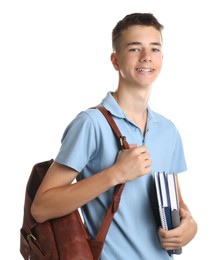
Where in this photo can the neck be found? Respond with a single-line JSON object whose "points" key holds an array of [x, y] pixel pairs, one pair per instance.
{"points": [[134, 107]]}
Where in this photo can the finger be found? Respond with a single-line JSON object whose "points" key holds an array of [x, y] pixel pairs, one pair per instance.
{"points": [[149, 162], [145, 156], [142, 149]]}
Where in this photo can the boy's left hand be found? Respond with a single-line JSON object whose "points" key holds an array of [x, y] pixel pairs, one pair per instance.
{"points": [[180, 236]]}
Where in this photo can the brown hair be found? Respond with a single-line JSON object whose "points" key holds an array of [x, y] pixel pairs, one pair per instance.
{"points": [[146, 19]]}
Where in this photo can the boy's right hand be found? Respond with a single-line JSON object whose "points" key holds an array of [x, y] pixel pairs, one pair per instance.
{"points": [[133, 163]]}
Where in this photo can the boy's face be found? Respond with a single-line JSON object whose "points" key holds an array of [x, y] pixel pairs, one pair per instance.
{"points": [[139, 58]]}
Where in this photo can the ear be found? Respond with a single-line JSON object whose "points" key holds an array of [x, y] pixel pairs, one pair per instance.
{"points": [[114, 60]]}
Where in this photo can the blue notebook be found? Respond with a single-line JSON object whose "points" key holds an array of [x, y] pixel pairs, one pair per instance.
{"points": [[166, 207]]}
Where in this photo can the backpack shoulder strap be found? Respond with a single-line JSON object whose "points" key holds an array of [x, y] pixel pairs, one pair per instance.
{"points": [[102, 232], [110, 120]]}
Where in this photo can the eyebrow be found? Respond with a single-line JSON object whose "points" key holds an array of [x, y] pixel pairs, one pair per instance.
{"points": [[139, 43]]}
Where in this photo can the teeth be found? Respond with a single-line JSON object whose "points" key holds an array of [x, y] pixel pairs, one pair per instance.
{"points": [[144, 70]]}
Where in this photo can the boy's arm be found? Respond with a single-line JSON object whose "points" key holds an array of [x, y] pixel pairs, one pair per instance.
{"points": [[58, 195]]}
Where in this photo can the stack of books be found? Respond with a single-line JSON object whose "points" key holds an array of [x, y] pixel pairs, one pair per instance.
{"points": [[166, 203]]}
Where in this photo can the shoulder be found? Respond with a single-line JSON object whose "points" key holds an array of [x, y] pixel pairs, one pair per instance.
{"points": [[88, 116], [161, 119], [91, 116], [164, 124], [90, 119]]}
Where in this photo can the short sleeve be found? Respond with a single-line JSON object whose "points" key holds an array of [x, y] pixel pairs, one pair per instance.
{"points": [[78, 143], [178, 163]]}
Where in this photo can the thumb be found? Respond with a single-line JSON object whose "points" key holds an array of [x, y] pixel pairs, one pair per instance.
{"points": [[131, 146], [182, 212]]}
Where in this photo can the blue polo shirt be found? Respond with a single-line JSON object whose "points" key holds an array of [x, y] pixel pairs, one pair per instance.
{"points": [[89, 146]]}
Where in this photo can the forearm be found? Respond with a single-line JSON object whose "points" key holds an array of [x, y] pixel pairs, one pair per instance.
{"points": [[57, 196], [59, 201], [189, 222], [184, 206]]}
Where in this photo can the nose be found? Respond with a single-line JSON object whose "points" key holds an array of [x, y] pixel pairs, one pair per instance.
{"points": [[145, 56], [145, 60]]}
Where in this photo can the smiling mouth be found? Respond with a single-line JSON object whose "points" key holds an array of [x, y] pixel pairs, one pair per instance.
{"points": [[144, 70]]}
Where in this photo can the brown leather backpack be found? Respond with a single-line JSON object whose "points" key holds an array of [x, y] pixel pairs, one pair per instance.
{"points": [[64, 238]]}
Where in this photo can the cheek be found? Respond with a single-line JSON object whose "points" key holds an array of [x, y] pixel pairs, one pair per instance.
{"points": [[121, 64], [158, 63]]}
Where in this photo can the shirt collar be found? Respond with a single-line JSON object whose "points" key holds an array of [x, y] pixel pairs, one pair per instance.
{"points": [[111, 105]]}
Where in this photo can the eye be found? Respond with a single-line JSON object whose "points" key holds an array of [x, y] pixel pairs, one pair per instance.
{"points": [[155, 50], [134, 49]]}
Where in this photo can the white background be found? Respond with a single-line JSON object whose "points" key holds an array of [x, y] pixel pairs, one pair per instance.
{"points": [[55, 61]]}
